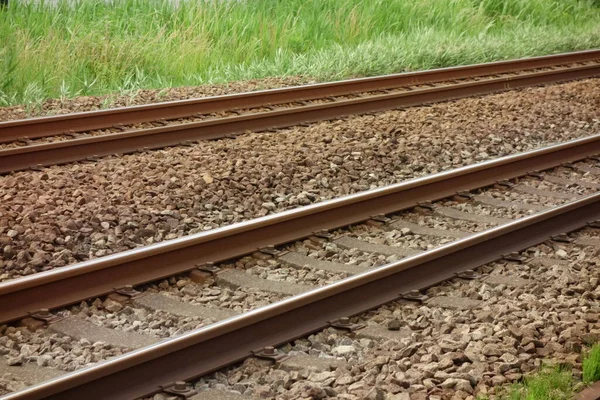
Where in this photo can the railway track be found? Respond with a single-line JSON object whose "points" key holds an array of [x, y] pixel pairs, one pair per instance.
{"points": [[119, 131], [418, 233]]}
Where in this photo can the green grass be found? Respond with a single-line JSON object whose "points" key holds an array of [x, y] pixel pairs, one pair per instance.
{"points": [[93, 48], [555, 383], [548, 384], [591, 365]]}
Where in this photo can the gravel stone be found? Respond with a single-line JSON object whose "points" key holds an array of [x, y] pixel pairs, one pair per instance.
{"points": [[75, 212], [58, 216], [20, 346], [453, 353], [144, 96]]}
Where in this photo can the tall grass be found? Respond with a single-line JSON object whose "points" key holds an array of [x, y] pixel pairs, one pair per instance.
{"points": [[591, 365], [89, 47]]}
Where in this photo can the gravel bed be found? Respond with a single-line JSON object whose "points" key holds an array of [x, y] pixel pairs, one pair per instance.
{"points": [[11, 383], [141, 97], [486, 210], [525, 198], [576, 175], [397, 238], [239, 300], [328, 251], [129, 318], [587, 232], [199, 117], [65, 214], [441, 222], [275, 270], [254, 378], [451, 354], [19, 346], [575, 190], [589, 164], [572, 252]]}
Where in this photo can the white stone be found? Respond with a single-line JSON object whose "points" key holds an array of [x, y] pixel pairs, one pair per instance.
{"points": [[343, 350], [562, 254]]}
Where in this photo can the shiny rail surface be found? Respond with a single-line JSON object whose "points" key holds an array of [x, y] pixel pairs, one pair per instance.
{"points": [[85, 121], [39, 155]]}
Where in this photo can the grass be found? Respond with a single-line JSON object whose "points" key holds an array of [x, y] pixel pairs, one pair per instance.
{"points": [[93, 47], [549, 384], [556, 383], [591, 365]]}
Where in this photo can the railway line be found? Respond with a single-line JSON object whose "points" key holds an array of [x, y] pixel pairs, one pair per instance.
{"points": [[350, 291], [119, 131], [409, 236]]}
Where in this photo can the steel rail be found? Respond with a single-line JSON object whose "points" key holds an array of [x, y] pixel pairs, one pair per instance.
{"points": [[71, 284], [145, 371], [79, 149], [84, 121]]}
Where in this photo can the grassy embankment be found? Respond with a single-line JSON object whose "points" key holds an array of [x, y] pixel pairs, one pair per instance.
{"points": [[91, 47]]}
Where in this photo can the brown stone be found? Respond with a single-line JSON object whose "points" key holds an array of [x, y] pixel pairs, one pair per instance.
{"points": [[200, 277], [543, 351], [513, 377], [118, 298], [255, 168], [32, 324]]}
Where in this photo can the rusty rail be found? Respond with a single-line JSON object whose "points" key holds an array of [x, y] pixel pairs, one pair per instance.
{"points": [[145, 371], [80, 149], [85, 121], [92, 278]]}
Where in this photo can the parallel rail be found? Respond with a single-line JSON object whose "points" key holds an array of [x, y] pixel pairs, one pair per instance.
{"points": [[39, 155], [85, 121], [142, 372], [207, 349], [71, 284]]}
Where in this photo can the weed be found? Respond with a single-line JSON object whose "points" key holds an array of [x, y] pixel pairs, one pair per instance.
{"points": [[549, 384], [85, 47], [591, 365]]}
